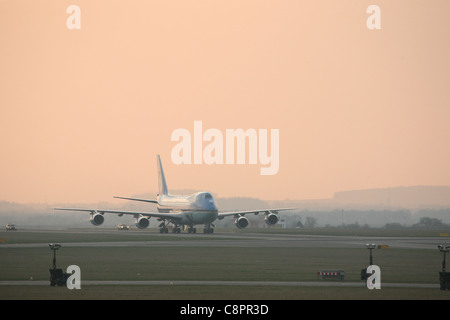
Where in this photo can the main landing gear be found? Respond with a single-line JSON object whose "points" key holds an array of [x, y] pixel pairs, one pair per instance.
{"points": [[190, 229], [207, 229], [164, 229]]}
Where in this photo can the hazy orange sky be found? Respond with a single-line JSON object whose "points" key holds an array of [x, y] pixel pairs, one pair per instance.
{"points": [[84, 112]]}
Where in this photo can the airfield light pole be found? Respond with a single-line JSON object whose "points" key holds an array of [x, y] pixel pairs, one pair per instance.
{"points": [[444, 250], [54, 247], [364, 274], [444, 277], [371, 247]]}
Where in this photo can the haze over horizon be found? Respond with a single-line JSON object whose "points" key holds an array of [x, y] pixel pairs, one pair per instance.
{"points": [[84, 112], [413, 197]]}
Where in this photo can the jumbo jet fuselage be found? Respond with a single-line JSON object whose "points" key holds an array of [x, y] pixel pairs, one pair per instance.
{"points": [[198, 208]]}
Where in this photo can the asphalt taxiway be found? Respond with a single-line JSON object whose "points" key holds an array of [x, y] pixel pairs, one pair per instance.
{"points": [[249, 240], [226, 283]]}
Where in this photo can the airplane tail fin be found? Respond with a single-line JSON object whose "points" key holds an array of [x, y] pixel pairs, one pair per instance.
{"points": [[162, 185]]}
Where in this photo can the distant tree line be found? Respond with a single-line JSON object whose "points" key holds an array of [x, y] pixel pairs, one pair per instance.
{"points": [[424, 223]]}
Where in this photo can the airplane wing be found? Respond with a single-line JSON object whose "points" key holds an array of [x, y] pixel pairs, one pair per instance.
{"points": [[136, 214], [135, 199], [222, 215]]}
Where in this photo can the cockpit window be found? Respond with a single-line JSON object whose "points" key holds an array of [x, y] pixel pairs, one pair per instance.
{"points": [[204, 196]]}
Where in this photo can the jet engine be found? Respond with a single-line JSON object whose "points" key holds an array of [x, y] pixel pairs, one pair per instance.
{"points": [[271, 218], [97, 219], [241, 222], [142, 222]]}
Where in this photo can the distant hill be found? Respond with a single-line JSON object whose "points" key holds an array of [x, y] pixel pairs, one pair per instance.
{"points": [[416, 197], [402, 197]]}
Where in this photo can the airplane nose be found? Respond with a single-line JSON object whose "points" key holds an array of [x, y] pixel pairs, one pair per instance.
{"points": [[212, 205]]}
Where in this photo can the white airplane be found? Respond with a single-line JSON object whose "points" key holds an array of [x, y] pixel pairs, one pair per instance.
{"points": [[187, 211]]}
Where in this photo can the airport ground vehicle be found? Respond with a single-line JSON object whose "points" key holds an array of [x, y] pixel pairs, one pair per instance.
{"points": [[11, 227], [122, 226]]}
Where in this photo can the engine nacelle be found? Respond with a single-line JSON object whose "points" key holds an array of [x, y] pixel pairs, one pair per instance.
{"points": [[142, 222], [97, 219], [241, 222], [271, 218]]}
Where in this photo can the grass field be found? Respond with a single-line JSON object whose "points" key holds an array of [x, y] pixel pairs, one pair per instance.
{"points": [[226, 264], [209, 263]]}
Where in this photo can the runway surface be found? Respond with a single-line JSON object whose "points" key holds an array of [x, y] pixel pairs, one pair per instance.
{"points": [[249, 240]]}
